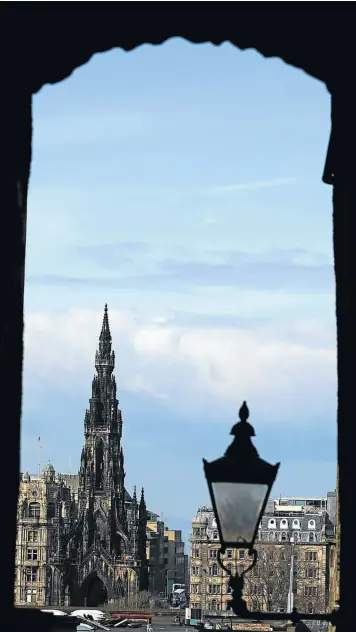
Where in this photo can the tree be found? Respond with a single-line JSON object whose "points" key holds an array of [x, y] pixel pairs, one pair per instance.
{"points": [[138, 601], [266, 585]]}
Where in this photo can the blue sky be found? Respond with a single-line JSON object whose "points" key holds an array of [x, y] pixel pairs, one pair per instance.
{"points": [[182, 185]]}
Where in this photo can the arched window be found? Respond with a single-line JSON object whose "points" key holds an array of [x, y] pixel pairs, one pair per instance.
{"points": [[284, 524], [283, 536], [34, 510], [271, 523], [310, 608], [311, 537], [51, 510], [215, 534], [311, 524], [99, 465], [296, 536], [272, 535], [296, 524]]}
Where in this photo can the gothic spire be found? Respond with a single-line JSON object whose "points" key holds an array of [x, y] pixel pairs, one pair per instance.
{"points": [[105, 335], [142, 501]]}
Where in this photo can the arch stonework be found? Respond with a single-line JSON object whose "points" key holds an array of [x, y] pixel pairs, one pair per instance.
{"points": [[35, 53]]}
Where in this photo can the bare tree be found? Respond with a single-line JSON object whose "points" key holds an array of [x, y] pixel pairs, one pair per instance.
{"points": [[266, 585], [138, 601]]}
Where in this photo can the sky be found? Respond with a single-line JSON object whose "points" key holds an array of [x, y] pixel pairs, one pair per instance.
{"points": [[181, 184]]}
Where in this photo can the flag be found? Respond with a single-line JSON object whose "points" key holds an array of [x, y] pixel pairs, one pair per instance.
{"points": [[39, 439]]}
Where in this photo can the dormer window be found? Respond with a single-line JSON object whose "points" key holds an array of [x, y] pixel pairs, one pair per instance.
{"points": [[284, 524], [215, 534], [296, 524], [272, 523], [311, 524]]}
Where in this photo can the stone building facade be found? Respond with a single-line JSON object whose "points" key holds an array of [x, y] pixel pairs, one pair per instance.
{"points": [[292, 567], [82, 540]]}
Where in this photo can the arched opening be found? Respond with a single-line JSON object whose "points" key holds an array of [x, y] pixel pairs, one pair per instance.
{"points": [[95, 592], [99, 465]]}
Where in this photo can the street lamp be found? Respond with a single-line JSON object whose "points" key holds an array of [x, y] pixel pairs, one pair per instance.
{"points": [[240, 483]]}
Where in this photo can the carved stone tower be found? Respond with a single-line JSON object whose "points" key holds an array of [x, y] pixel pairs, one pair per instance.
{"points": [[101, 486]]}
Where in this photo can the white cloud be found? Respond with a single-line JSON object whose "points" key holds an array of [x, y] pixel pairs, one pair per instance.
{"points": [[253, 185], [190, 368]]}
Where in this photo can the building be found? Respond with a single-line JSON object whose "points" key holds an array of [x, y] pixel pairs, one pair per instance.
{"points": [[166, 556], [292, 569], [174, 562], [334, 569], [155, 553], [81, 540]]}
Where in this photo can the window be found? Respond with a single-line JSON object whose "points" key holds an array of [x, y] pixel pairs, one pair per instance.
{"points": [[283, 536], [311, 537], [270, 555], [310, 609], [214, 589], [34, 510], [310, 556], [31, 573], [194, 588], [284, 524], [310, 573], [296, 524], [215, 535], [310, 591], [241, 555], [296, 536], [271, 523], [272, 535], [311, 524], [51, 510], [213, 604], [215, 570], [196, 532], [32, 536], [32, 554], [195, 553], [229, 567], [229, 554], [213, 554], [196, 570]]}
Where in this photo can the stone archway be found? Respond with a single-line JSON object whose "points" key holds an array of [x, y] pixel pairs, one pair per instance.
{"points": [[94, 591]]}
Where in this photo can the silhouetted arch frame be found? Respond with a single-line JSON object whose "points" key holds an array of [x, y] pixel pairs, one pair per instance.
{"points": [[42, 44]]}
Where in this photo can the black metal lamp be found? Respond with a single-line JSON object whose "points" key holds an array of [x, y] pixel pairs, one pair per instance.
{"points": [[240, 483]]}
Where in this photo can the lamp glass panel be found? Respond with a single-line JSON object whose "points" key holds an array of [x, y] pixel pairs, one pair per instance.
{"points": [[239, 507]]}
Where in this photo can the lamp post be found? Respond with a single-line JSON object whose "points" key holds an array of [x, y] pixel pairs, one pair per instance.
{"points": [[240, 483]]}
